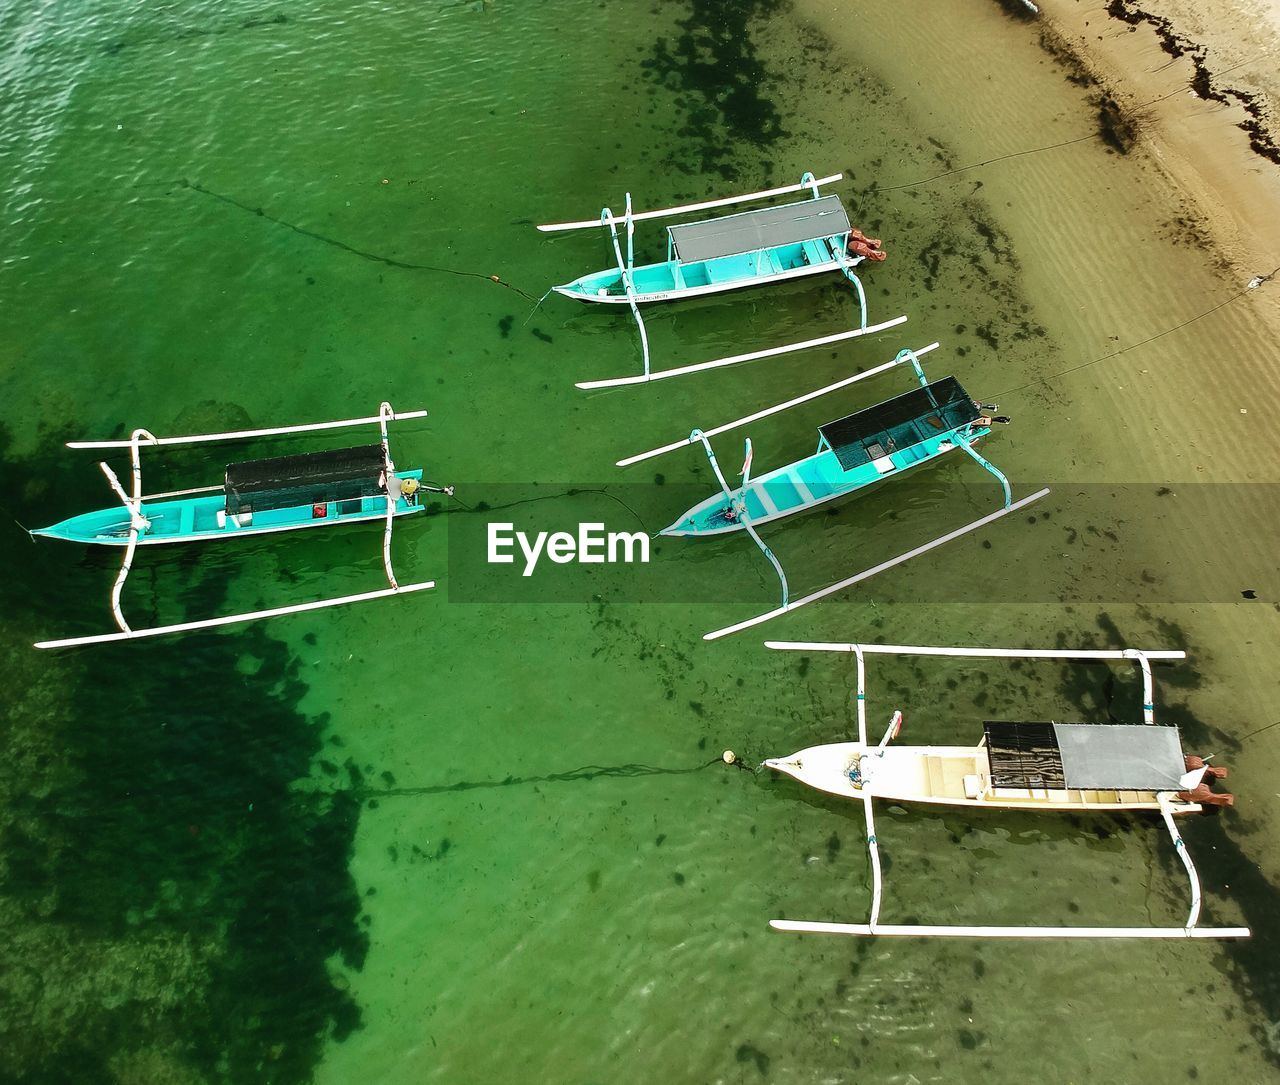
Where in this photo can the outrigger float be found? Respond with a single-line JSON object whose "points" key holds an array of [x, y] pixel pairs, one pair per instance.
{"points": [[751, 248], [257, 497], [854, 452], [1052, 767]]}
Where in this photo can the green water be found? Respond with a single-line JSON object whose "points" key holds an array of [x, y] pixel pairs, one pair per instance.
{"points": [[435, 840]]}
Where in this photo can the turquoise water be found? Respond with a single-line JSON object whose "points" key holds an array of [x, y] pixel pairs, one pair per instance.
{"points": [[443, 840]]}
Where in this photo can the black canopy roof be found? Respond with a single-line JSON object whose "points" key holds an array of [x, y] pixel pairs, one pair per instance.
{"points": [[899, 423], [284, 482]]}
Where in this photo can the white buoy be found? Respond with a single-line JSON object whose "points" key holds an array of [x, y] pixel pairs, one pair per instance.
{"points": [[729, 757]]}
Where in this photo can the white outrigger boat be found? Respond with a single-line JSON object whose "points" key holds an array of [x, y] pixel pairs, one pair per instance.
{"points": [[854, 452], [256, 497], [710, 256], [1050, 767]]}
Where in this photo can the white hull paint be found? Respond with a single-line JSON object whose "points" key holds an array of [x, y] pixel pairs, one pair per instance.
{"points": [[936, 775]]}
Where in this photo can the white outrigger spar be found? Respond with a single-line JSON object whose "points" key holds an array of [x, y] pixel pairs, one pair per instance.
{"points": [[851, 769], [138, 522], [635, 288], [737, 499]]}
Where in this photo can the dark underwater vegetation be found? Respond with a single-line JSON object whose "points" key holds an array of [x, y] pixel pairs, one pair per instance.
{"points": [[169, 905]]}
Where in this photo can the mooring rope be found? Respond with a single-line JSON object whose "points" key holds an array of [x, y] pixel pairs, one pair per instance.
{"points": [[195, 186], [1253, 285]]}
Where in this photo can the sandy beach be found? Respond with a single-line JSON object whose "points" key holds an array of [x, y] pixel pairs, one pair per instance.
{"points": [[1210, 115]]}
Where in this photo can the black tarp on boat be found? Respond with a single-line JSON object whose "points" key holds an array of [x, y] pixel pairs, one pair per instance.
{"points": [[898, 423], [286, 482]]}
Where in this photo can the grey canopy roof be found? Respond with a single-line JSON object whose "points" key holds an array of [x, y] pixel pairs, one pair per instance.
{"points": [[1134, 757], [1123, 757], [750, 231]]}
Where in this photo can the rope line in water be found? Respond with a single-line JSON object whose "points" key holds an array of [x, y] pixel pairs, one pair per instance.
{"points": [[572, 492], [195, 186], [1260, 730], [1255, 284], [586, 772], [991, 161]]}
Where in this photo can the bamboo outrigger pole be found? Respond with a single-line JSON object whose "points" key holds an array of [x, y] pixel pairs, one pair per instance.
{"points": [[234, 619], [809, 182], [715, 431], [737, 359], [245, 434], [867, 574]]}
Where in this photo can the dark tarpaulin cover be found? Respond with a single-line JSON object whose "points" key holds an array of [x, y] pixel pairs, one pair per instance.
{"points": [[899, 423], [285, 482]]}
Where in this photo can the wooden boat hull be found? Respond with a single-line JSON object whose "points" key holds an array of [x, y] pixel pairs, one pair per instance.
{"points": [[196, 519], [673, 280], [806, 484], [945, 776]]}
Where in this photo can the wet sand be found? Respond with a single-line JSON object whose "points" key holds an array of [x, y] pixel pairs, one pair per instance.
{"points": [[1200, 83]]}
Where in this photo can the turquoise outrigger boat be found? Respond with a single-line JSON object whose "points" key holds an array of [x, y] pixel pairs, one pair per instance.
{"points": [[750, 248], [854, 452], [711, 256], [256, 497], [335, 496]]}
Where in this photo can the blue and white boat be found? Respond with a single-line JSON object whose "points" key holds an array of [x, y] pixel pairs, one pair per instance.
{"points": [[713, 255], [750, 248], [854, 452], [256, 497], [286, 493]]}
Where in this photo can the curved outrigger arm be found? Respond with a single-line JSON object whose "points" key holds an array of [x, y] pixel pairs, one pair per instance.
{"points": [[624, 268], [137, 522], [963, 442], [1148, 684], [737, 502], [390, 485], [1180, 846], [847, 264]]}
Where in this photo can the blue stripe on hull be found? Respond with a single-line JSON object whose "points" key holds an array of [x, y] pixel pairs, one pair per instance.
{"points": [[806, 484], [672, 279], [195, 519]]}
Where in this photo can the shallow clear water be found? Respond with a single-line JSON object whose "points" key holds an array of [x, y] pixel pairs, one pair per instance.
{"points": [[444, 840]]}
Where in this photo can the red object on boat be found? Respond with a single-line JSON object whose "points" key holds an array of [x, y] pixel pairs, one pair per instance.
{"points": [[319, 511], [866, 247]]}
